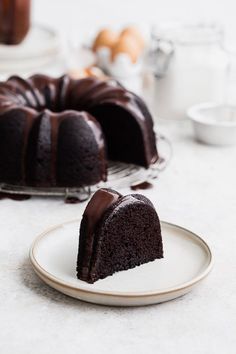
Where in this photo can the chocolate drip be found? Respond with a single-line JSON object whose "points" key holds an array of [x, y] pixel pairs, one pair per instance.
{"points": [[30, 117], [95, 209], [142, 185], [19, 197], [72, 200], [25, 90], [100, 142], [54, 138]]}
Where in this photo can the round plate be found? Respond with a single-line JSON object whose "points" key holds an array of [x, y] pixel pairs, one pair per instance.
{"points": [[187, 260]]}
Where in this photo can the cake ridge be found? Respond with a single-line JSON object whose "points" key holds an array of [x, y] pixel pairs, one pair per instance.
{"points": [[29, 123], [25, 89]]}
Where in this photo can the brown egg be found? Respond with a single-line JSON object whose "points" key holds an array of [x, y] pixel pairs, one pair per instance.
{"points": [[128, 45], [105, 38], [93, 71], [135, 33], [76, 73]]}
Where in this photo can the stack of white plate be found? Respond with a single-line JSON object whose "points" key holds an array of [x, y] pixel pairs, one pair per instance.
{"points": [[41, 46]]}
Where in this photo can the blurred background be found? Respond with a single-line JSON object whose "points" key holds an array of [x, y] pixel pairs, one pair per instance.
{"points": [[89, 14], [188, 46]]}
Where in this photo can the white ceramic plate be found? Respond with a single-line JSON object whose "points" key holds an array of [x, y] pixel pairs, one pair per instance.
{"points": [[214, 123], [187, 260]]}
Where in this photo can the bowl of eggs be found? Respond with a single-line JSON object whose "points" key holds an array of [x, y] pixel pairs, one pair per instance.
{"points": [[119, 54]]}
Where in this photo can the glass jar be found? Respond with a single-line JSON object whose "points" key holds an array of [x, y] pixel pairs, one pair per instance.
{"points": [[230, 92], [189, 65], [14, 20]]}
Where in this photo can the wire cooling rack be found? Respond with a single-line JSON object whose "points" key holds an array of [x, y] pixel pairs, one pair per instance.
{"points": [[120, 175]]}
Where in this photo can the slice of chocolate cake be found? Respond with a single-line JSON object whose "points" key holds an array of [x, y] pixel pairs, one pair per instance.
{"points": [[117, 233]]}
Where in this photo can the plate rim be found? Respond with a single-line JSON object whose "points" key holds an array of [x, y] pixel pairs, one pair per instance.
{"points": [[52, 34], [42, 273]]}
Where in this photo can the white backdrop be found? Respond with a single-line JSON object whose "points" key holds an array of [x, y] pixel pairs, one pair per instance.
{"points": [[87, 15]]}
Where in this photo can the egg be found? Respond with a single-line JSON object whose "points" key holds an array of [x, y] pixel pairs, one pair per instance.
{"points": [[76, 73], [105, 38], [127, 45], [93, 71], [135, 33]]}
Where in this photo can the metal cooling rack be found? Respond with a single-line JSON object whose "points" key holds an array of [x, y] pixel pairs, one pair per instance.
{"points": [[120, 175]]}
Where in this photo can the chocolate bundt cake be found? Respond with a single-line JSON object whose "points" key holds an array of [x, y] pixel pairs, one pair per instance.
{"points": [[14, 20], [60, 132], [117, 233]]}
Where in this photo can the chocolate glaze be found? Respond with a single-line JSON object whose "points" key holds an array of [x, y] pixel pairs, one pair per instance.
{"points": [[95, 209], [25, 89], [142, 185], [54, 135], [41, 94], [19, 197], [100, 142], [44, 162], [72, 200], [30, 117]]}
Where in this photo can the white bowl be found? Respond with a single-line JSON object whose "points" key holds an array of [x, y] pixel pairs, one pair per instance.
{"points": [[214, 123], [122, 67]]}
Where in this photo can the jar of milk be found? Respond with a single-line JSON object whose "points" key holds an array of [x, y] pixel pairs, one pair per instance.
{"points": [[189, 65]]}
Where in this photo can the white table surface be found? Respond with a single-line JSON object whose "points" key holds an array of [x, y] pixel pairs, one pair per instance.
{"points": [[197, 191]]}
